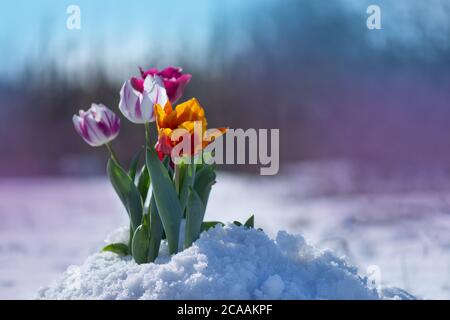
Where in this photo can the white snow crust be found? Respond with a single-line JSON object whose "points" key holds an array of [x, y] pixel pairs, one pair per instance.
{"points": [[225, 263]]}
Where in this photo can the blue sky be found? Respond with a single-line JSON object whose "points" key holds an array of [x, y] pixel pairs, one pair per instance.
{"points": [[118, 33], [117, 27]]}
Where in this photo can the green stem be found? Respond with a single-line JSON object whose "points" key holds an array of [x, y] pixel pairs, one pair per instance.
{"points": [[147, 133], [193, 170], [176, 178], [111, 152]]}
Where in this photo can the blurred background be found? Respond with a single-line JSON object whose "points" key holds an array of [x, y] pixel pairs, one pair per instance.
{"points": [[364, 119]]}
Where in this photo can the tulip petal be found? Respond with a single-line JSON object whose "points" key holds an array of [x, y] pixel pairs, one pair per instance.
{"points": [[147, 108], [151, 71], [98, 138], [97, 126], [80, 128], [107, 121], [130, 103], [154, 87], [138, 84], [170, 72], [175, 86]]}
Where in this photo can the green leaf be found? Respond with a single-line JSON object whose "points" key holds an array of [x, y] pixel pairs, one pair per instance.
{"points": [[195, 211], [210, 224], [205, 177], [143, 182], [139, 247], [237, 223], [166, 198], [168, 166], [130, 238], [119, 248], [250, 223], [156, 231], [127, 192], [134, 164]]}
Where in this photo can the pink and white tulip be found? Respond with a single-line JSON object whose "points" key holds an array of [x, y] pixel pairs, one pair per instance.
{"points": [[98, 125], [173, 78], [138, 98]]}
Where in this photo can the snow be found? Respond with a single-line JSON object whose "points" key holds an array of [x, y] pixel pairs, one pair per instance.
{"points": [[396, 228], [225, 263], [272, 288]]}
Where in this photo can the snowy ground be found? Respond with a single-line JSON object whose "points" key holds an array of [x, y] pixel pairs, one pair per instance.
{"points": [[225, 263], [395, 226]]}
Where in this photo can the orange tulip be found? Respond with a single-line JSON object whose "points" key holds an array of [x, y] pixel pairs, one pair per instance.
{"points": [[188, 116]]}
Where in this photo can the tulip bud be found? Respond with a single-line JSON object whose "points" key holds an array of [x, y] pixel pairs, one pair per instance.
{"points": [[97, 126], [138, 98]]}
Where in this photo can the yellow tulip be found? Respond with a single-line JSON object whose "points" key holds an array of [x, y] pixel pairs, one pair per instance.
{"points": [[189, 116]]}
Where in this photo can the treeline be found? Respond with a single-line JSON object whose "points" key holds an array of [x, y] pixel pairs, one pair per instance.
{"points": [[334, 88]]}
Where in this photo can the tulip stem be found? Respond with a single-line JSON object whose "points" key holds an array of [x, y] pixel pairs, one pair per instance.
{"points": [[111, 152], [147, 133], [176, 178]]}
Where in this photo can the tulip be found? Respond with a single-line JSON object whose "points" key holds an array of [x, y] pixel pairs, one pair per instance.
{"points": [[98, 125], [174, 80], [138, 98], [187, 116]]}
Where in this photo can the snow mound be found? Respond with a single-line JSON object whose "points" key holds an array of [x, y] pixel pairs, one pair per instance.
{"points": [[225, 263]]}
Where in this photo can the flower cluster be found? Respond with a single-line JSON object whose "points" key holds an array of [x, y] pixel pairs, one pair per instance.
{"points": [[170, 185]]}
